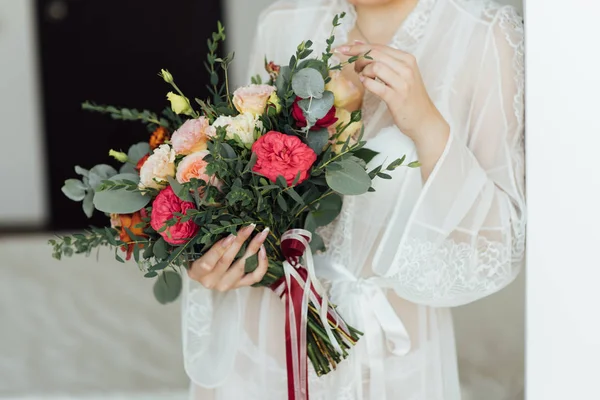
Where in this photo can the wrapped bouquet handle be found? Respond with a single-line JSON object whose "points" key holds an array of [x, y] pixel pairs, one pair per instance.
{"points": [[300, 289]]}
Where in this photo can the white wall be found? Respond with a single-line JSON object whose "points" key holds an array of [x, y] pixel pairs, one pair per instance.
{"points": [[563, 141], [21, 157]]}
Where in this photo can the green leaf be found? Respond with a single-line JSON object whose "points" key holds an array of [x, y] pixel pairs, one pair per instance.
{"points": [[159, 266], [414, 164], [351, 179], [137, 152], [328, 209], [100, 173], [317, 243], [365, 154], [307, 83], [384, 175], [160, 249], [396, 163], [150, 274], [281, 201], [167, 287], [281, 182], [88, 204], [295, 196], [317, 140], [74, 189], [310, 224], [251, 263], [315, 109], [127, 168], [121, 201], [180, 190]]}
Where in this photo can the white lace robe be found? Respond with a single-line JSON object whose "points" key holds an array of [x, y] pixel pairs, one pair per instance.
{"points": [[399, 257]]}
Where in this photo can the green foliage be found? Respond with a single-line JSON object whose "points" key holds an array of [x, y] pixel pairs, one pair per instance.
{"points": [[127, 114], [167, 287], [120, 195]]}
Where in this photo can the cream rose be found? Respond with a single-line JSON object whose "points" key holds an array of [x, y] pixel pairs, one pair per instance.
{"points": [[346, 94], [157, 168], [241, 128], [253, 98], [344, 117]]}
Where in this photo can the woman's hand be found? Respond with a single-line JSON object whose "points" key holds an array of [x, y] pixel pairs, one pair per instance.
{"points": [[214, 270], [394, 76]]}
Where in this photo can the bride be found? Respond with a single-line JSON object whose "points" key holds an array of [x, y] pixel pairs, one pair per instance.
{"points": [[445, 86]]}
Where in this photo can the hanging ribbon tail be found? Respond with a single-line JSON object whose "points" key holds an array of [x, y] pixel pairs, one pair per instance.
{"points": [[298, 288]]}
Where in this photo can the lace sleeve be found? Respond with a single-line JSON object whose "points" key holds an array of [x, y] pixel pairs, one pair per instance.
{"points": [[466, 236]]}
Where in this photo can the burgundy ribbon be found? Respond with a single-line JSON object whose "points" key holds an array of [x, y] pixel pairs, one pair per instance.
{"points": [[292, 290]]}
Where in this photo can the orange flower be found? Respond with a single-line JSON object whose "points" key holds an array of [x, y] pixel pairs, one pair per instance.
{"points": [[130, 221], [159, 136]]}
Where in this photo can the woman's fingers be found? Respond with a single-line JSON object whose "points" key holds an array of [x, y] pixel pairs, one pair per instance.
{"points": [[384, 73], [378, 88], [232, 276], [259, 273], [210, 268]]}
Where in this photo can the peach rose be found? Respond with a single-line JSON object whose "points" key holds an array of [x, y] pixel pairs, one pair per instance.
{"points": [[192, 136], [346, 94], [156, 169], [194, 166], [253, 98], [344, 117]]}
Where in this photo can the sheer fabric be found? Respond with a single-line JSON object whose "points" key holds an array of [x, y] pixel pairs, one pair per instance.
{"points": [[399, 257]]}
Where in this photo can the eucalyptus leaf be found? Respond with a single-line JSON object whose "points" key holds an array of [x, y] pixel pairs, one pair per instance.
{"points": [[74, 189], [351, 179], [138, 151], [317, 140], [167, 287], [100, 173], [328, 210], [160, 249], [127, 168], [315, 109], [365, 154], [121, 201], [81, 171], [307, 83], [88, 204], [317, 243]]}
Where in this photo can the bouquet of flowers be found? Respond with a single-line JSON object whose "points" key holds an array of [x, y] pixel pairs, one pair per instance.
{"points": [[279, 154]]}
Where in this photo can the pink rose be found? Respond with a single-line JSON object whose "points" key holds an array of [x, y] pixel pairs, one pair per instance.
{"points": [[164, 206], [194, 166], [279, 154], [192, 136], [253, 98]]}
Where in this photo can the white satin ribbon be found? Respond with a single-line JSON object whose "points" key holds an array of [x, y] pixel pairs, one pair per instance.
{"points": [[381, 322]]}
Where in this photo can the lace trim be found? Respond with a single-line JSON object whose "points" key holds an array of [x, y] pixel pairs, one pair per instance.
{"points": [[511, 24], [453, 272]]}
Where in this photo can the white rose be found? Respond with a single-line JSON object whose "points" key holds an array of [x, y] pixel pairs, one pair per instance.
{"points": [[241, 128], [156, 169]]}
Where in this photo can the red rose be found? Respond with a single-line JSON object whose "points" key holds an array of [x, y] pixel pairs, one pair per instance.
{"points": [[324, 122], [164, 206], [140, 163], [279, 154]]}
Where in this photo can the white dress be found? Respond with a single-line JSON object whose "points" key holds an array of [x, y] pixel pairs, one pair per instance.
{"points": [[400, 257]]}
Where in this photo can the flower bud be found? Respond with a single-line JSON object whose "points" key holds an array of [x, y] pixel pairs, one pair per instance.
{"points": [[166, 75], [118, 155], [179, 104]]}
